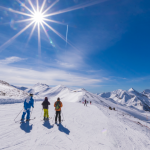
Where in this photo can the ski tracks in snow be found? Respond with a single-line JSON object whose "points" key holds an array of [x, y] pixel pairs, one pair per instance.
{"points": [[84, 128]]}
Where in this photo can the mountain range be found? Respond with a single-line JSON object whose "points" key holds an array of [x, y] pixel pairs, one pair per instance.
{"points": [[130, 98]]}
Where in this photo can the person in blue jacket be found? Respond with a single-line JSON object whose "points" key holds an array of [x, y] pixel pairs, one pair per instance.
{"points": [[29, 101]]}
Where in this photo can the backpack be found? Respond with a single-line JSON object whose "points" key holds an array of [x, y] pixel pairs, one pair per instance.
{"points": [[57, 106]]}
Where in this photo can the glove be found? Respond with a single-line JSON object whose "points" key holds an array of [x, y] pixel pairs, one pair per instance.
{"points": [[33, 106]]}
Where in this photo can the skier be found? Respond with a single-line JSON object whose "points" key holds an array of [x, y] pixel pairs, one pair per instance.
{"points": [[58, 104], [29, 101], [90, 102], [45, 108], [85, 102]]}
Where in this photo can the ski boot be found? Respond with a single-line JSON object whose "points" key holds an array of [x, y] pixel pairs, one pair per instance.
{"points": [[22, 119]]}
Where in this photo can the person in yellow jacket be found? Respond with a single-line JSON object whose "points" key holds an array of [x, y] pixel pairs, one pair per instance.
{"points": [[58, 104]]}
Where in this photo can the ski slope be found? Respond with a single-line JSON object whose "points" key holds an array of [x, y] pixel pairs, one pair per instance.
{"points": [[83, 128]]}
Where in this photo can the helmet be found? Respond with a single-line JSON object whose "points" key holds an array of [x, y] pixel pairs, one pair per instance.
{"points": [[31, 94], [58, 98]]}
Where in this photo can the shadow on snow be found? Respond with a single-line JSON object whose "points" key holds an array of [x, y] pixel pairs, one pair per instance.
{"points": [[47, 124], [26, 127], [63, 129]]}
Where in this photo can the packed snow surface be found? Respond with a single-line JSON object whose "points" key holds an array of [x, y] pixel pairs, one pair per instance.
{"points": [[83, 128]]}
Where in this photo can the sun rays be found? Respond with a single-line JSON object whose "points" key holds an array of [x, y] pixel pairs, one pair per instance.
{"points": [[38, 17]]}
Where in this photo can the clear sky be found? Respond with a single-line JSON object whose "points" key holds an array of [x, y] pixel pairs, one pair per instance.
{"points": [[109, 50]]}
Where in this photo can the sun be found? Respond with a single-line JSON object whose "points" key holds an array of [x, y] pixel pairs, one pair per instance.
{"points": [[38, 17]]}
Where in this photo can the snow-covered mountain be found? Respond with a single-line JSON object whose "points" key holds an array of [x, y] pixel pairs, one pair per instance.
{"points": [[129, 98], [38, 88], [8, 91], [147, 93], [20, 87], [66, 94]]}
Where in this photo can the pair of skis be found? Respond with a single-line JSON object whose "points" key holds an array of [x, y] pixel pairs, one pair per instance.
{"points": [[46, 119], [23, 121], [57, 123]]}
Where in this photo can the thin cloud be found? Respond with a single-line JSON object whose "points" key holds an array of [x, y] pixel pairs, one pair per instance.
{"points": [[11, 60], [70, 59], [22, 76]]}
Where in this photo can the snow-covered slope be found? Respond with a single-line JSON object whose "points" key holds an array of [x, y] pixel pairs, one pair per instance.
{"points": [[129, 98], [83, 128], [8, 91], [92, 127], [66, 94]]}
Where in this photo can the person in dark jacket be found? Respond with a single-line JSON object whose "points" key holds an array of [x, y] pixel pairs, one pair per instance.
{"points": [[45, 108], [85, 102]]}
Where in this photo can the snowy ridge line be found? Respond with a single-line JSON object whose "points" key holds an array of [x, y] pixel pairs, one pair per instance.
{"points": [[131, 115], [13, 101], [138, 123], [120, 113], [134, 121]]}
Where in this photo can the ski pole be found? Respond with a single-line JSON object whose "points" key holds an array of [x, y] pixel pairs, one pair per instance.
{"points": [[41, 113], [31, 112], [63, 117], [18, 115], [53, 118]]}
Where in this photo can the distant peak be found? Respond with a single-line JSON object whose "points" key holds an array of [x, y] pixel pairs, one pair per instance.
{"points": [[3, 82], [62, 86], [83, 89], [131, 89], [39, 84]]}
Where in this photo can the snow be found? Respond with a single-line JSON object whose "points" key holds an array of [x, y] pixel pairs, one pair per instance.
{"points": [[84, 128], [130, 98], [38, 88], [147, 93], [91, 127], [20, 87], [8, 91]]}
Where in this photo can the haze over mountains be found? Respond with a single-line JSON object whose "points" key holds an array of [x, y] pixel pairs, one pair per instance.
{"points": [[130, 98]]}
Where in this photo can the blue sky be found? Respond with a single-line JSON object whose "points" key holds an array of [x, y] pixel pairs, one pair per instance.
{"points": [[110, 46]]}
